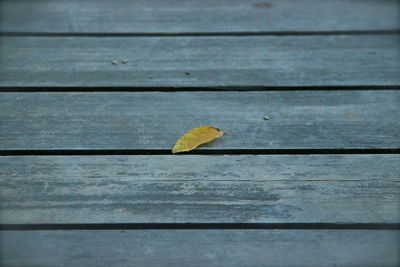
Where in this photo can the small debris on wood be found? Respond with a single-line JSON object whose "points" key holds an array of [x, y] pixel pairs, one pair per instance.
{"points": [[187, 73], [262, 5], [114, 62], [266, 118], [124, 61], [151, 76]]}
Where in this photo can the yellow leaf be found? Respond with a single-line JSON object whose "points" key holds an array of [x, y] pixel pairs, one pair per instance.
{"points": [[196, 137]]}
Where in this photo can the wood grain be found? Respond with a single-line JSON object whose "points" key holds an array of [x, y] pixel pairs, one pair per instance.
{"points": [[155, 120], [339, 60], [199, 44], [201, 248], [200, 189], [93, 16]]}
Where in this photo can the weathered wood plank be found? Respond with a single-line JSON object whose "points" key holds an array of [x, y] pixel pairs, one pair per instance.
{"points": [[359, 167], [340, 60], [104, 16], [155, 120], [200, 248], [200, 189]]}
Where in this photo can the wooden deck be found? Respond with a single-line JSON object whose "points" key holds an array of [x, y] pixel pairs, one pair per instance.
{"points": [[86, 173]]}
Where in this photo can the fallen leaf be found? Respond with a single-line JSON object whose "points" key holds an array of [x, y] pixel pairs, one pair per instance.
{"points": [[196, 137]]}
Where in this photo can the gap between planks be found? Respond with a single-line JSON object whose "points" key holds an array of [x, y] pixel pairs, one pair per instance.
{"points": [[112, 152], [201, 226], [243, 88], [196, 34]]}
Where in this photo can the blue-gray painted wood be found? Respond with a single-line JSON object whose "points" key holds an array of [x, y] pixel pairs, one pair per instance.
{"points": [[200, 189], [141, 16], [339, 60], [200, 248], [151, 189], [155, 120]]}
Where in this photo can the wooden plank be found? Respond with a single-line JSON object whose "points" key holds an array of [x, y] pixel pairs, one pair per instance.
{"points": [[353, 167], [200, 248], [200, 189], [94, 16], [155, 120], [339, 60]]}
